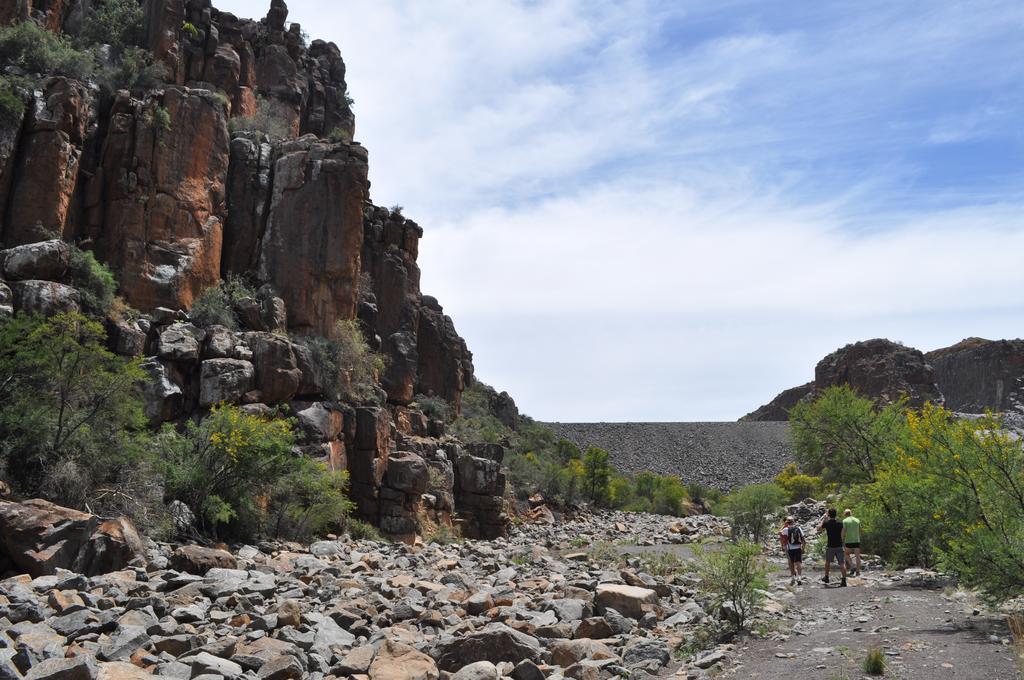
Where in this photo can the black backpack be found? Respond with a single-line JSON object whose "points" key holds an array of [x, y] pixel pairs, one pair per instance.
{"points": [[796, 536]]}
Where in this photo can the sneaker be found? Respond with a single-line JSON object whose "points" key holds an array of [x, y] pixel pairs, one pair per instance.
{"points": [[842, 584], [824, 579], [792, 581]]}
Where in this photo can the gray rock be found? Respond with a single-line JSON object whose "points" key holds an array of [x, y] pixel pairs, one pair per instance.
{"points": [[176, 343], [123, 643], [47, 260], [205, 663], [496, 642], [225, 380], [284, 667], [480, 670], [75, 668]]}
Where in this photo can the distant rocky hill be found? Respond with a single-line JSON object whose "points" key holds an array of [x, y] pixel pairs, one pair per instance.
{"points": [[971, 376], [719, 455]]}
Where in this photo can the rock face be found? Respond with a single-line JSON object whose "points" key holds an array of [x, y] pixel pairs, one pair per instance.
{"points": [[425, 353], [879, 369], [976, 375], [39, 537], [972, 376], [156, 185]]}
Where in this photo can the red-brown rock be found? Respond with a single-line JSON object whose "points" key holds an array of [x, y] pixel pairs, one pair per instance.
{"points": [[277, 374], [39, 537], [196, 559]]}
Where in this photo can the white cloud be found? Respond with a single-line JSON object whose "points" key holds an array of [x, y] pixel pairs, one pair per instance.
{"points": [[671, 210]]}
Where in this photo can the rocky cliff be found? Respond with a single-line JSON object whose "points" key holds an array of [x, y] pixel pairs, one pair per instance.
{"points": [[972, 376], [165, 187]]}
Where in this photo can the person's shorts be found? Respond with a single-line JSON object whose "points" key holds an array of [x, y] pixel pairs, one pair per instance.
{"points": [[836, 555], [853, 546], [796, 555]]}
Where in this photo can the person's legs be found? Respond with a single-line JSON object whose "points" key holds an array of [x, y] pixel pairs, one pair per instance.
{"points": [[798, 562], [842, 567], [857, 551]]}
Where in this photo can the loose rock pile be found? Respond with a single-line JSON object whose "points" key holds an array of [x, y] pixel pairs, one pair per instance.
{"points": [[512, 607]]}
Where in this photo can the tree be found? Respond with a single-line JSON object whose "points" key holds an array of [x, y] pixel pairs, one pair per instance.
{"points": [[734, 577], [597, 475], [753, 509], [70, 411], [220, 465], [843, 437]]}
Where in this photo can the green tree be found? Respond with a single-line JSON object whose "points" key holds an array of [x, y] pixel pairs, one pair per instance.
{"points": [[117, 23], [70, 411], [798, 485], [843, 437], [754, 509], [597, 475]]}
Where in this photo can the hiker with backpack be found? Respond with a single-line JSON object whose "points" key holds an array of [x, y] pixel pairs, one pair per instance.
{"points": [[834, 550], [792, 538]]}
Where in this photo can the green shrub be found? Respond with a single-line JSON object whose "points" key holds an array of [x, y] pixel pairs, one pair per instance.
{"points": [[362, 531], [267, 119], [754, 509], [93, 279], [307, 502], [189, 29], [605, 553], [222, 99], [71, 424], [159, 119], [733, 576], [213, 308], [12, 105], [220, 467], [434, 408], [874, 662], [134, 71], [33, 49], [339, 135], [443, 535], [799, 486], [118, 23], [357, 362]]}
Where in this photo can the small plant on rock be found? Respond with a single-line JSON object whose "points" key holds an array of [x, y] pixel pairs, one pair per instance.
{"points": [[267, 119], [443, 535], [433, 407], [362, 531], [95, 282]]}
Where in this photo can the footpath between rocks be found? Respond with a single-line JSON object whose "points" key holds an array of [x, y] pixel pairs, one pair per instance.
{"points": [[532, 606]]}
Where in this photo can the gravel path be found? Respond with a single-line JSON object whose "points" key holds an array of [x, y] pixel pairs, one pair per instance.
{"points": [[720, 455], [925, 634]]}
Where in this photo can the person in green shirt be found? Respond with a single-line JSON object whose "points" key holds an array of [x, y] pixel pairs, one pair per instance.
{"points": [[851, 539]]}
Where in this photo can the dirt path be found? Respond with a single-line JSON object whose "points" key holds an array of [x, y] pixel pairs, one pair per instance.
{"points": [[826, 633]]}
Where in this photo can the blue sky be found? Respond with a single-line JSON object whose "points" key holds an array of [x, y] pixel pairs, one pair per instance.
{"points": [[643, 210]]}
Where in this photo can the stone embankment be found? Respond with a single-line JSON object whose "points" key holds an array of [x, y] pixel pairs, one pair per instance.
{"points": [[719, 455]]}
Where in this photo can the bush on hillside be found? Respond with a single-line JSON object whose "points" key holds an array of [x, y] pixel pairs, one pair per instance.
{"points": [[433, 407], [134, 71], [267, 119], [118, 23], [95, 282], [799, 486], [307, 502], [33, 49]]}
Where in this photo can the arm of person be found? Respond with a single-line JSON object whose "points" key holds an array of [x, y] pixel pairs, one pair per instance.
{"points": [[821, 524]]}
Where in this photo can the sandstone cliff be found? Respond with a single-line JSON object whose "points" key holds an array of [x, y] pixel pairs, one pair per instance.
{"points": [[167, 188], [972, 376]]}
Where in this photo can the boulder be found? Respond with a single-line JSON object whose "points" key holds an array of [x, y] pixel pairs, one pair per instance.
{"points": [[628, 600], [6, 301], [397, 661], [407, 472], [75, 668], [225, 381], [162, 397], [178, 343], [319, 422], [39, 537], [45, 297], [277, 373], [976, 375], [481, 670], [47, 260], [497, 642], [196, 559]]}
